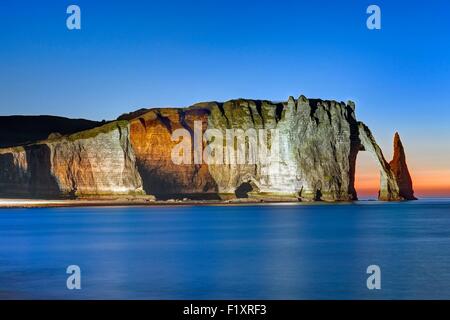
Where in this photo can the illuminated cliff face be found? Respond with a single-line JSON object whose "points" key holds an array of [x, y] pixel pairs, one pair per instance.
{"points": [[296, 150], [95, 162], [151, 138], [317, 141]]}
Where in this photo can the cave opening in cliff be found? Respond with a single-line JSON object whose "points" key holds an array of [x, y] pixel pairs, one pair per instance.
{"points": [[367, 177], [243, 190]]}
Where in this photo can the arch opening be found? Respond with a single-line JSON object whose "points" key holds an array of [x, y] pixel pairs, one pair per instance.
{"points": [[367, 177]]}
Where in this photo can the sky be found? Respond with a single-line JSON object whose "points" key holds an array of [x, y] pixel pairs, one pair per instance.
{"points": [[134, 54]]}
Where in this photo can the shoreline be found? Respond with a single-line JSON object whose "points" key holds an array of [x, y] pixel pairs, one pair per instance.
{"points": [[64, 203], [142, 202]]}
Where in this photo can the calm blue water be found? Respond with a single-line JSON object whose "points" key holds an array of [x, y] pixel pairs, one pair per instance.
{"points": [[318, 251]]}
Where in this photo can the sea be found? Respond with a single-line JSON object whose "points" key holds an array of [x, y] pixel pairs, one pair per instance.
{"points": [[277, 251]]}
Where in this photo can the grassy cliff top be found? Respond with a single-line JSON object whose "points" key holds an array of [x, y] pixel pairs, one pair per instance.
{"points": [[92, 133], [85, 134]]}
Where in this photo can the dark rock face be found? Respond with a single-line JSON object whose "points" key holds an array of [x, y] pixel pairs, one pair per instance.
{"points": [[315, 155], [27, 173], [20, 130], [400, 170]]}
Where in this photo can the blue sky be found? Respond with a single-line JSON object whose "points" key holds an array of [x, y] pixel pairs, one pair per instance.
{"points": [[133, 54]]}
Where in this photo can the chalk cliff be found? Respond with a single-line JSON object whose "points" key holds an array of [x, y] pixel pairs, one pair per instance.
{"points": [[151, 138], [99, 161], [300, 150]]}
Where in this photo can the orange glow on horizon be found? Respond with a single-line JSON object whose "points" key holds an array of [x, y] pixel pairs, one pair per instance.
{"points": [[425, 182]]}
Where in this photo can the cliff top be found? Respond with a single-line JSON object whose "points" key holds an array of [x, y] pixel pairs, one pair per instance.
{"points": [[27, 130]]}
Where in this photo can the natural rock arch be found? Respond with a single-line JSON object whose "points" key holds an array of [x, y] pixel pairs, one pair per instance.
{"points": [[395, 180]]}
